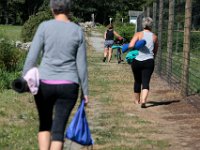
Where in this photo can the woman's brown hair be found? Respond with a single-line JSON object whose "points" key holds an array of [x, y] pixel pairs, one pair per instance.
{"points": [[110, 26]]}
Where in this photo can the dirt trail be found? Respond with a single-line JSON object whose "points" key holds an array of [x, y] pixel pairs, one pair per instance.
{"points": [[178, 120]]}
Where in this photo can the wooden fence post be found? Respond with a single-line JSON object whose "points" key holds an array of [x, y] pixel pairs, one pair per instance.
{"points": [[160, 26], [148, 11], [177, 36], [186, 47], [170, 40], [154, 15]]}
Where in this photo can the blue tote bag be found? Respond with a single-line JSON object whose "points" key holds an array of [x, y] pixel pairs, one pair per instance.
{"points": [[78, 130]]}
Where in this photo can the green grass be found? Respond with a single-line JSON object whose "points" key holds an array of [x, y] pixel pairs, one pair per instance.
{"points": [[114, 125], [177, 70], [12, 33], [18, 125]]}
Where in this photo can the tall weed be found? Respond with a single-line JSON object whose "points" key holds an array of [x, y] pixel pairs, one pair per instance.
{"points": [[11, 61]]}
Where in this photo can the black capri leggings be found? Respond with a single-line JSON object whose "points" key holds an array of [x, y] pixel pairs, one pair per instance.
{"points": [[57, 101], [142, 71]]}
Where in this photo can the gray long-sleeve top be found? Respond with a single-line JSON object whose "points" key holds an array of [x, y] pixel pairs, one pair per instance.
{"points": [[63, 50]]}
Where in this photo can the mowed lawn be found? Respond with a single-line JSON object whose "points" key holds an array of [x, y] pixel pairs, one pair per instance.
{"points": [[10, 32]]}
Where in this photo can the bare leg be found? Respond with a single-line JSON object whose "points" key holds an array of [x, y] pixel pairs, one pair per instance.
{"points": [[44, 140], [137, 98], [144, 95], [56, 145], [109, 54], [105, 54]]}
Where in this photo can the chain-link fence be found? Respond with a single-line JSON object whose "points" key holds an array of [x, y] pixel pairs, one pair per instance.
{"points": [[177, 24]]}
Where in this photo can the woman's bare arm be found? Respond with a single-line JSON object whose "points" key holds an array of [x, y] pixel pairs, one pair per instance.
{"points": [[155, 38], [133, 40], [116, 34], [104, 35]]}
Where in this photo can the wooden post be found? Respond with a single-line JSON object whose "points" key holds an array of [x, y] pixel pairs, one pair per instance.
{"points": [[154, 15], [186, 47], [148, 11], [144, 11], [160, 26], [170, 40], [177, 36]]}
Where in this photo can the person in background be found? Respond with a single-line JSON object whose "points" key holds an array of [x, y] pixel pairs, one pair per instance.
{"points": [[109, 41], [63, 68], [143, 65]]}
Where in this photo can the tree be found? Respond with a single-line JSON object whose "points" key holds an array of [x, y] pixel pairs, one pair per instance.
{"points": [[18, 11], [103, 9]]}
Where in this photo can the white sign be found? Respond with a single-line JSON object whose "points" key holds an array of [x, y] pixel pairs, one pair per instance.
{"points": [[110, 20]]}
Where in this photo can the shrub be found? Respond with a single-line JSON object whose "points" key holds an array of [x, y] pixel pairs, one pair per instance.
{"points": [[126, 30], [10, 56], [76, 19], [30, 26], [11, 62], [6, 78]]}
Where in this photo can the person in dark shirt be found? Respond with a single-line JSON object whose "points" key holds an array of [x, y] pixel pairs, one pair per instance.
{"points": [[109, 41]]}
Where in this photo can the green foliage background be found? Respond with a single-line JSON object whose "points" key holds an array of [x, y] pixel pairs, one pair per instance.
{"points": [[11, 58], [30, 26]]}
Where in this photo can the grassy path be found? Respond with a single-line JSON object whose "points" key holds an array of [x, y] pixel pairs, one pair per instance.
{"points": [[118, 124], [169, 123], [116, 121]]}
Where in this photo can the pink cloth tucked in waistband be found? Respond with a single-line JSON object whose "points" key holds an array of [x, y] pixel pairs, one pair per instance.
{"points": [[57, 81]]}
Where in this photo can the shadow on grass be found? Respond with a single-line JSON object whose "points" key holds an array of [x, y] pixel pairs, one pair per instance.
{"points": [[155, 103]]}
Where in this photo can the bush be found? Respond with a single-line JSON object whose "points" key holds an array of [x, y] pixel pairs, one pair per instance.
{"points": [[6, 78], [31, 25], [11, 62], [10, 56], [126, 30], [75, 19]]}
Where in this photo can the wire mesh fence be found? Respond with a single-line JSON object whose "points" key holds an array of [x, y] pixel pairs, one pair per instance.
{"points": [[177, 24]]}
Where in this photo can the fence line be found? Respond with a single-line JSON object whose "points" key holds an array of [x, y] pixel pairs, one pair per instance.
{"points": [[178, 58]]}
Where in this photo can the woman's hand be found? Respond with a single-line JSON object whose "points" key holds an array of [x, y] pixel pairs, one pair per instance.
{"points": [[86, 100]]}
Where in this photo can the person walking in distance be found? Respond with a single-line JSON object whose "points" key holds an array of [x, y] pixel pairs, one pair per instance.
{"points": [[143, 65], [63, 68], [109, 41]]}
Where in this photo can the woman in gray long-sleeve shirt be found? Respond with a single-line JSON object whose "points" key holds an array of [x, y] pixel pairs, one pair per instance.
{"points": [[62, 69]]}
